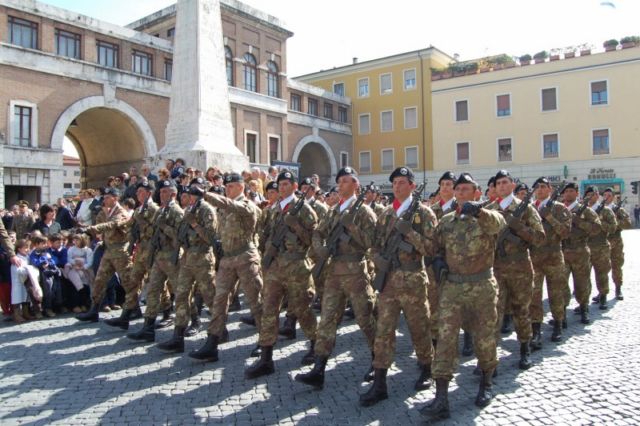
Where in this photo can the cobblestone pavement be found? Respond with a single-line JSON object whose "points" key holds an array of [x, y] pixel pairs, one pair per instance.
{"points": [[59, 372]]}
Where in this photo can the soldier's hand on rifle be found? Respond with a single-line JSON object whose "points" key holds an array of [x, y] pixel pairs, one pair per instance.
{"points": [[193, 223], [348, 220], [291, 220], [513, 222], [471, 208], [403, 226], [322, 252], [380, 262]]}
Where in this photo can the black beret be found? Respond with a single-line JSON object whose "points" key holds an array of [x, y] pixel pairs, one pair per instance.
{"points": [[147, 185], [196, 190], [609, 189], [334, 189], [306, 181], [464, 178], [272, 186], [346, 171], [233, 177], [197, 181], [589, 189], [540, 180], [286, 175], [492, 181], [180, 171], [448, 175], [114, 192], [503, 174], [217, 189], [166, 184], [570, 185], [401, 172], [520, 187]]}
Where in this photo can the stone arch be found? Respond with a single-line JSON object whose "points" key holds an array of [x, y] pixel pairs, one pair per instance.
{"points": [[309, 139]]}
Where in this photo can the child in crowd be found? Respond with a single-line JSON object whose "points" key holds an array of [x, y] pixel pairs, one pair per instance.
{"points": [[78, 270], [5, 280], [25, 286], [41, 259], [58, 253]]}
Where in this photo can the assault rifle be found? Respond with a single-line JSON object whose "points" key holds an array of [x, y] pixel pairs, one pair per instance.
{"points": [[338, 233], [135, 228], [280, 230], [184, 229], [154, 243], [554, 196], [506, 233], [395, 242], [618, 206]]}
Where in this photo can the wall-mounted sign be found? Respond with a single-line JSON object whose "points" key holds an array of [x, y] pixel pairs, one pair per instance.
{"points": [[601, 173]]}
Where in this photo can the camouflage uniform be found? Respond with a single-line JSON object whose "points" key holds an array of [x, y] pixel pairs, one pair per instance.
{"points": [[22, 225], [321, 210], [469, 295], [514, 271], [548, 262], [617, 246], [5, 241], [197, 264], [347, 277], [377, 208], [241, 261], [405, 288], [601, 249], [577, 254], [290, 274]]}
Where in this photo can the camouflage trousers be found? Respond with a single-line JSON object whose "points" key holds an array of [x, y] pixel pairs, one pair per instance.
{"points": [[243, 271], [578, 264], [197, 269], [293, 278], [549, 265], [617, 260], [473, 304], [601, 261], [515, 289], [404, 291], [138, 272], [432, 291], [109, 266], [337, 289], [163, 275]]}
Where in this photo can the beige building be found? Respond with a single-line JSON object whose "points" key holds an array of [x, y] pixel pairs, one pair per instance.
{"points": [[71, 184]]}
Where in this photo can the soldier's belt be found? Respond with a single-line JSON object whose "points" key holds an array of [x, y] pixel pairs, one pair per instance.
{"points": [[292, 256], [410, 266], [245, 248], [351, 257], [470, 278], [514, 257], [549, 249]]}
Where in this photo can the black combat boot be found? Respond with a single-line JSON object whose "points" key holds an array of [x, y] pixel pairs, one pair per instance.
{"points": [[248, 319], [194, 327], [176, 343], [122, 321], [378, 390], [524, 363], [147, 333], [619, 295], [603, 302], [91, 315], [536, 338], [584, 314], [315, 377], [577, 310], [485, 395], [166, 320], [136, 313], [506, 324], [368, 377], [424, 379], [596, 299], [262, 366], [235, 304], [208, 352], [556, 336], [438, 408], [256, 352], [288, 329], [467, 344], [310, 356]]}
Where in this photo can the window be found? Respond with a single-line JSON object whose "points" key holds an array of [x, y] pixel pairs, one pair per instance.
{"points": [[76, 185], [171, 32], [107, 54], [365, 162], [76, 172], [250, 70], [462, 153], [386, 121], [251, 146], [387, 159], [462, 111], [312, 107], [411, 156], [64, 173], [274, 149], [328, 111], [228, 63], [363, 87], [599, 93], [338, 89], [273, 81], [364, 124], [410, 118], [67, 44], [67, 185], [503, 104], [601, 142], [409, 79], [386, 84], [23, 33], [22, 125], [505, 152], [550, 146], [549, 101], [142, 63], [168, 69], [296, 102], [342, 114], [344, 159]]}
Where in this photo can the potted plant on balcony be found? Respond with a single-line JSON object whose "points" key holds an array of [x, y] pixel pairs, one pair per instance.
{"points": [[629, 41], [570, 53], [471, 68], [585, 52], [610, 45], [525, 59], [554, 55], [540, 56]]}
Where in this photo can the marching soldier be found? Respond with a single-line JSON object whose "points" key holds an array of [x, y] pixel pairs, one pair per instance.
{"points": [[343, 239], [163, 245], [615, 240], [287, 269], [468, 293], [371, 195], [321, 209], [548, 263], [512, 266], [240, 264], [575, 250], [402, 277], [521, 191], [196, 233]]}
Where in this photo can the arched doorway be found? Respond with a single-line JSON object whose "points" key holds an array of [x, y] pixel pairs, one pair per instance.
{"points": [[109, 137], [315, 156]]}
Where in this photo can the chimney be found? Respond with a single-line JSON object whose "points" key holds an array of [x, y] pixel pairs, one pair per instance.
{"points": [[355, 59]]}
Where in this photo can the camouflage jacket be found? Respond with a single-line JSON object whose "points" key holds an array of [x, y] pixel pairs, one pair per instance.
{"points": [[198, 238], [112, 226], [298, 239], [143, 218], [5, 241], [440, 212], [556, 221], [263, 228], [531, 234], [321, 210], [165, 224], [22, 225], [467, 243], [377, 208], [237, 222], [609, 226], [582, 227], [624, 222]]}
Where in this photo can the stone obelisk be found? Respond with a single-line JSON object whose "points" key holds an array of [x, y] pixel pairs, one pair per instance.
{"points": [[199, 128]]}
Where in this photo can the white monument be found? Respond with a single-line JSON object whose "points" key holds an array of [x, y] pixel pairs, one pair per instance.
{"points": [[199, 128]]}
